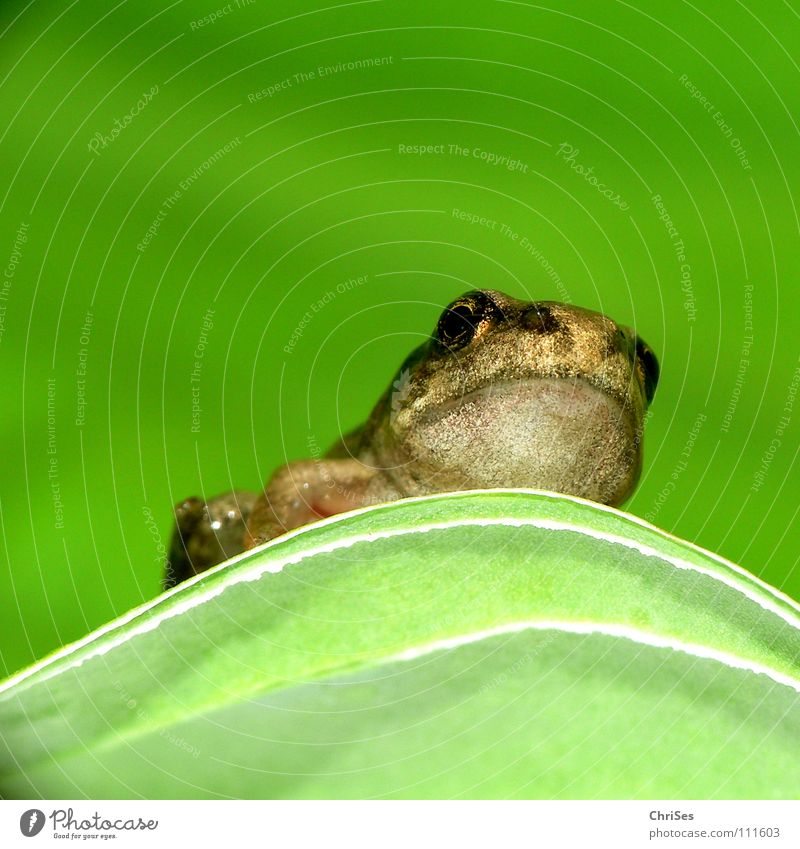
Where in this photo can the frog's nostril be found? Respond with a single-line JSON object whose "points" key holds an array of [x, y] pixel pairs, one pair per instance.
{"points": [[541, 319]]}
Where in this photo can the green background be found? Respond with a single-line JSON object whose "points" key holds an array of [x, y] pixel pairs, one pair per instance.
{"points": [[316, 191]]}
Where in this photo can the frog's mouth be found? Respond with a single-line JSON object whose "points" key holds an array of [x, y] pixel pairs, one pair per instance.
{"points": [[562, 434], [561, 395]]}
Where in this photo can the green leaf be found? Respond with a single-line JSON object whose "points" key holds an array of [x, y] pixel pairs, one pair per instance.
{"points": [[490, 644]]}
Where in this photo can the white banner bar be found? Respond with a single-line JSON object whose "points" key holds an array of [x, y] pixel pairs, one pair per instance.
{"points": [[401, 824]]}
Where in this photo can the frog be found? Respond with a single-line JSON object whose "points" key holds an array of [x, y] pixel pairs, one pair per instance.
{"points": [[505, 393]]}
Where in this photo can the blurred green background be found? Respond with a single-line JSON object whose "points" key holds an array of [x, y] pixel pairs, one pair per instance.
{"points": [[219, 242]]}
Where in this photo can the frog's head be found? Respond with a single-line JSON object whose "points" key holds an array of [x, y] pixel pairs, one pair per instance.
{"points": [[511, 393]]}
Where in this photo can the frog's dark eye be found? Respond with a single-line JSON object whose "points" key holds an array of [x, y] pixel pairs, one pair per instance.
{"points": [[462, 319], [648, 363]]}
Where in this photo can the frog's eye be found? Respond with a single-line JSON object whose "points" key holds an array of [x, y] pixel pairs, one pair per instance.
{"points": [[648, 364], [462, 319]]}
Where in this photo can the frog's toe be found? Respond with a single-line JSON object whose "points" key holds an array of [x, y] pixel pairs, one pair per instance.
{"points": [[206, 533]]}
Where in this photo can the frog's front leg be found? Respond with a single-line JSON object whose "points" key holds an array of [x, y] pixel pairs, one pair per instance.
{"points": [[307, 490], [206, 533]]}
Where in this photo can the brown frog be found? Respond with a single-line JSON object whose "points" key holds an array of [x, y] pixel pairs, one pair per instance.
{"points": [[506, 393]]}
